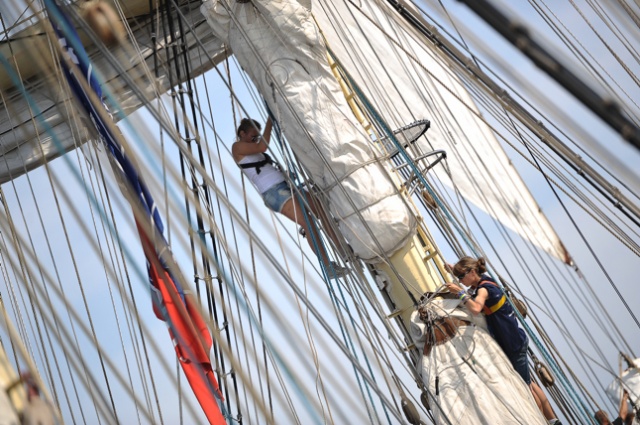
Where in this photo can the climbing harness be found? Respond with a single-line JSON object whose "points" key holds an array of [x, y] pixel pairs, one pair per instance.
{"points": [[490, 310], [259, 164]]}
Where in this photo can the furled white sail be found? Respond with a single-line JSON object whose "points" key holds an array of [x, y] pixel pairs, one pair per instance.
{"points": [[628, 380], [377, 48], [8, 416], [470, 377], [405, 78], [279, 45], [39, 119], [9, 405]]}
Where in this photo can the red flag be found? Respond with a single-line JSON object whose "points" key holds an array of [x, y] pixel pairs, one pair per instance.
{"points": [[188, 330], [189, 333]]}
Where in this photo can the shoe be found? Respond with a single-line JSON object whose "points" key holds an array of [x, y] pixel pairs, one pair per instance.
{"points": [[554, 422], [336, 271]]}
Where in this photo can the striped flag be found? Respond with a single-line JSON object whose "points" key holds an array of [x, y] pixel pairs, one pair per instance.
{"points": [[188, 330]]}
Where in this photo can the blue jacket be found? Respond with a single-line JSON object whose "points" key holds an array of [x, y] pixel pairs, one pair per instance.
{"points": [[502, 322]]}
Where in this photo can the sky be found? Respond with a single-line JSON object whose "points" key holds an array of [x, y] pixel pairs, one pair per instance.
{"points": [[619, 263], [97, 288]]}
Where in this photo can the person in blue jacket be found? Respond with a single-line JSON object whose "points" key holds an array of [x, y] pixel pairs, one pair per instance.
{"points": [[488, 298]]}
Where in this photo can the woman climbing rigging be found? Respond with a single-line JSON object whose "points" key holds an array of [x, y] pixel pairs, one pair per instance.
{"points": [[250, 153], [488, 298]]}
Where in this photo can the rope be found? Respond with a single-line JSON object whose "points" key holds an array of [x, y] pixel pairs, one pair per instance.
{"points": [[350, 286]]}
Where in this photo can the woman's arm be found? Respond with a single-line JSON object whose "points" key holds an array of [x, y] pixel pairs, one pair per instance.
{"points": [[624, 408], [240, 149], [473, 305], [266, 135], [476, 304]]}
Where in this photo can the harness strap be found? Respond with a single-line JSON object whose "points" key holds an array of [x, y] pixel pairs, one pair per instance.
{"points": [[258, 164], [490, 310]]}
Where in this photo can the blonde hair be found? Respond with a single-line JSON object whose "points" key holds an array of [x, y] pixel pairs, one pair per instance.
{"points": [[466, 264]]}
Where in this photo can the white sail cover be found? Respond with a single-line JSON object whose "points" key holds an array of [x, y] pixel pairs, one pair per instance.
{"points": [[43, 124], [406, 78], [376, 46], [629, 380], [8, 416], [476, 383], [8, 407], [279, 46]]}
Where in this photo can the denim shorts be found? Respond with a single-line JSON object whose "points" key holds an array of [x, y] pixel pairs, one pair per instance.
{"points": [[276, 196], [520, 364]]}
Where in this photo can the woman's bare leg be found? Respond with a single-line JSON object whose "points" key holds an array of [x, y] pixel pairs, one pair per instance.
{"points": [[319, 212], [293, 211], [542, 401]]}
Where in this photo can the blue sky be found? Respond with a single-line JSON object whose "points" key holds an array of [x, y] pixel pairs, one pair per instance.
{"points": [[619, 262], [99, 291]]}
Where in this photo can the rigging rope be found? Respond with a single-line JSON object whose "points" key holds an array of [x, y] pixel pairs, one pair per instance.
{"points": [[217, 252]]}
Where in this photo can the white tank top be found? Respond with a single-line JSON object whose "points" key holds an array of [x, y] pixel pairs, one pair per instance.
{"points": [[269, 175]]}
